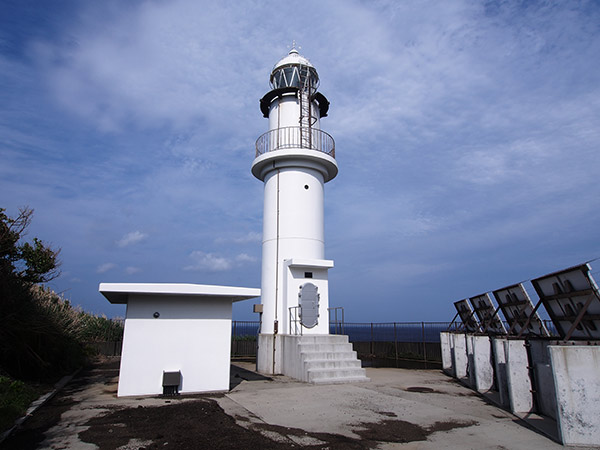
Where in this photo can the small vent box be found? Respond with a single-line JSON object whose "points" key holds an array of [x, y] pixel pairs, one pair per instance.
{"points": [[171, 382]]}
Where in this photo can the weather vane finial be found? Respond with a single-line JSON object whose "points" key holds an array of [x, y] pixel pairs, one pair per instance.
{"points": [[294, 46]]}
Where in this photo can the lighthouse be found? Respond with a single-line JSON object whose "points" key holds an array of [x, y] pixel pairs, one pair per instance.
{"points": [[294, 159]]}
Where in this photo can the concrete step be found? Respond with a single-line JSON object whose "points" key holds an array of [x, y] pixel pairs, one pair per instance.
{"points": [[304, 348], [332, 364], [324, 339], [311, 356], [341, 380], [318, 374]]}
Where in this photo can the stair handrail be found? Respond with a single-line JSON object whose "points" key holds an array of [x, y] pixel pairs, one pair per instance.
{"points": [[295, 320]]}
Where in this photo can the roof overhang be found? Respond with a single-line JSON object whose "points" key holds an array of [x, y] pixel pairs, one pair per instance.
{"points": [[120, 292], [312, 263]]}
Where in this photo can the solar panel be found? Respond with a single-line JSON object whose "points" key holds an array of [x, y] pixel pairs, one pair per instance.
{"points": [[572, 300], [487, 314], [518, 310], [466, 315]]}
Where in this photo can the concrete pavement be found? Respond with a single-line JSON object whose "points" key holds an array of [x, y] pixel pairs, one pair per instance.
{"points": [[397, 408], [451, 415]]}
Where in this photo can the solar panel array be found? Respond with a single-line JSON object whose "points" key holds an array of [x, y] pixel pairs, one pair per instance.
{"points": [[517, 308], [572, 301], [465, 312], [570, 296]]}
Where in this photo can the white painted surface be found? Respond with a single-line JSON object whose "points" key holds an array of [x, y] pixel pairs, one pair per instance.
{"points": [[517, 376], [294, 277], [190, 336], [266, 355], [293, 227], [298, 233], [119, 292], [324, 358], [284, 112], [459, 355], [445, 343], [482, 358], [172, 327], [293, 57], [576, 371]]}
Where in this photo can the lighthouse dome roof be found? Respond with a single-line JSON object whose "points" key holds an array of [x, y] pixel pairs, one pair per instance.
{"points": [[293, 71], [293, 57]]}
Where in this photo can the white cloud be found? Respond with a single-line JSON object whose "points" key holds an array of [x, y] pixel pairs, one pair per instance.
{"points": [[103, 268], [131, 238], [130, 270], [244, 258], [250, 237], [215, 263], [459, 126], [208, 261]]}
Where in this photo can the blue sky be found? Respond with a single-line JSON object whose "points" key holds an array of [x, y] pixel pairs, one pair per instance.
{"points": [[467, 136]]}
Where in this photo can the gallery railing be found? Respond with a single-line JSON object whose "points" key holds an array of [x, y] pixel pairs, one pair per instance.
{"points": [[295, 137]]}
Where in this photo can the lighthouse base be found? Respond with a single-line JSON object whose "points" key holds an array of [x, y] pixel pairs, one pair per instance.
{"points": [[268, 357], [315, 358]]}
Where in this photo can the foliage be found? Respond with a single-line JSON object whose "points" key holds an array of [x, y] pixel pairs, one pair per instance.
{"points": [[41, 335], [245, 337], [47, 336], [15, 397], [29, 263], [80, 325]]}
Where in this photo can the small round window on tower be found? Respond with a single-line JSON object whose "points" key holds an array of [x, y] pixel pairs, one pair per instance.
{"points": [[306, 186]]}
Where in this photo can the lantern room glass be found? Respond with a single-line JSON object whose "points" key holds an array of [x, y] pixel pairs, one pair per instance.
{"points": [[294, 76]]}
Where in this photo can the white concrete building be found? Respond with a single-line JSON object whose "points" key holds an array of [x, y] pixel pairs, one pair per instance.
{"points": [[182, 330], [295, 159]]}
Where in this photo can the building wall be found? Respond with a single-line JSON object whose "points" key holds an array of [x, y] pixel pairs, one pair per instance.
{"points": [[293, 280], [299, 214], [284, 112], [191, 335]]}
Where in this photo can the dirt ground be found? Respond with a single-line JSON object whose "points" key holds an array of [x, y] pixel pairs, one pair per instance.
{"points": [[195, 422]]}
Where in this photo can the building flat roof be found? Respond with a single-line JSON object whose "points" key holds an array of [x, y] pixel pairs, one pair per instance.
{"points": [[120, 292]]}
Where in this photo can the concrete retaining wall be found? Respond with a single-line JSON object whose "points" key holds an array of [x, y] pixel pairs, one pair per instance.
{"points": [[482, 369], [459, 355], [500, 373], [576, 372], [545, 394], [470, 379], [446, 339], [561, 382], [517, 376]]}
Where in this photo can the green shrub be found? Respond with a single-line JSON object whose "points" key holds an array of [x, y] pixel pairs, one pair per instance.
{"points": [[42, 336], [15, 398]]}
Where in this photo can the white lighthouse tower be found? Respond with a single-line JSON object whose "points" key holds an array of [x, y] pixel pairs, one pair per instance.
{"points": [[294, 159]]}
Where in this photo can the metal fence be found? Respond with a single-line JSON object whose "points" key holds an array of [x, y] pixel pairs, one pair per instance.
{"points": [[393, 344], [244, 338], [397, 344]]}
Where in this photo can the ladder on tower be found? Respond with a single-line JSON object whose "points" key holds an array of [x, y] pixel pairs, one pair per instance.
{"points": [[306, 118]]}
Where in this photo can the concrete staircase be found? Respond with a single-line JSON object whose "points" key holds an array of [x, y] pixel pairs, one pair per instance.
{"points": [[329, 359]]}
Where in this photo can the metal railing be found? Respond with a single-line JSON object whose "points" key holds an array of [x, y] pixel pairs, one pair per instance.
{"points": [[291, 137], [336, 326], [295, 322]]}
